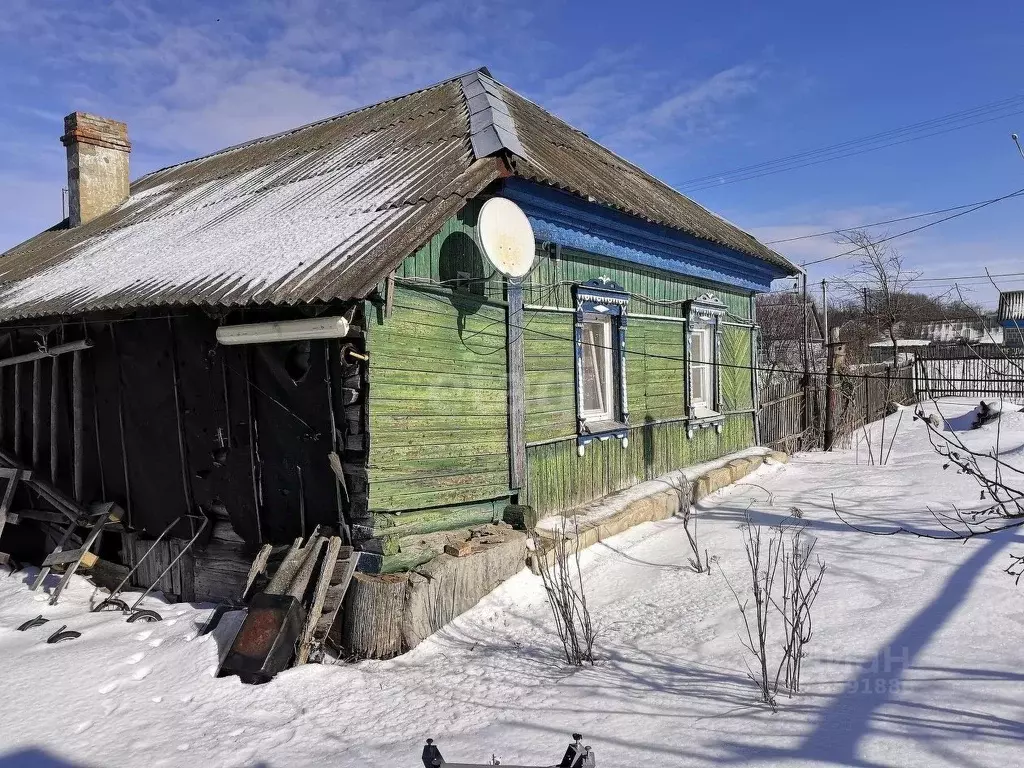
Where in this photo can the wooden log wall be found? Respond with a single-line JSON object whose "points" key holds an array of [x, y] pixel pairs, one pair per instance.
{"points": [[159, 418]]}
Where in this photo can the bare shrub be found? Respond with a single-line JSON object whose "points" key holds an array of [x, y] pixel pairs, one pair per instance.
{"points": [[558, 560], [800, 587], [699, 563], [763, 567]]}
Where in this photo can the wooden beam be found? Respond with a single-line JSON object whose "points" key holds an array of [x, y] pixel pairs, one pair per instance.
{"points": [[179, 421], [3, 416], [37, 411], [120, 426], [516, 386], [60, 349], [9, 472], [259, 565], [389, 298], [110, 513], [254, 460], [316, 606], [17, 411], [54, 418], [8, 500], [78, 429]]}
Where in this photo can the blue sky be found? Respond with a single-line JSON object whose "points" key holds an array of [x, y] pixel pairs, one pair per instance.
{"points": [[684, 89]]}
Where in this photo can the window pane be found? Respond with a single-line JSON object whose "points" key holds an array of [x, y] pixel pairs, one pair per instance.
{"points": [[700, 365], [595, 367], [698, 390], [698, 346]]}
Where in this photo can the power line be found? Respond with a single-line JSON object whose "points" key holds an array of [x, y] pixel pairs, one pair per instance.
{"points": [[943, 279], [918, 229], [955, 121], [522, 329], [878, 223]]}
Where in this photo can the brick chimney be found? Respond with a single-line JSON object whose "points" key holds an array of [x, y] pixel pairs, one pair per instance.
{"points": [[98, 151]]}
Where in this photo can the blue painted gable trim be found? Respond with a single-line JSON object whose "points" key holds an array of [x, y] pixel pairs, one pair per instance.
{"points": [[571, 222]]}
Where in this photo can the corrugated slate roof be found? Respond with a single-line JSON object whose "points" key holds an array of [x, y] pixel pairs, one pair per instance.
{"points": [[1011, 306], [326, 210]]}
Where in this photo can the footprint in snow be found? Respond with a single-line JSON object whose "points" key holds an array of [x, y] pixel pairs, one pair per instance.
{"points": [[108, 687], [145, 635], [156, 643], [135, 658], [142, 674]]}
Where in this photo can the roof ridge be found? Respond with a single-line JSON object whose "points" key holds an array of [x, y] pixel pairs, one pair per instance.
{"points": [[321, 121], [491, 127]]}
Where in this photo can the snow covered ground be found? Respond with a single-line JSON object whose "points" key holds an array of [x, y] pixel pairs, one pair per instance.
{"points": [[916, 657]]}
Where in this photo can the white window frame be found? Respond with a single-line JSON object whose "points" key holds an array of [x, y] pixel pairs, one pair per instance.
{"points": [[595, 354], [702, 369]]}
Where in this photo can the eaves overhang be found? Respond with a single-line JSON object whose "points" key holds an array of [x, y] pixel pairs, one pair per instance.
{"points": [[571, 222]]}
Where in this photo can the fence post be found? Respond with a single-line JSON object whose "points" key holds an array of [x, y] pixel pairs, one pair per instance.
{"points": [[834, 356], [888, 391]]}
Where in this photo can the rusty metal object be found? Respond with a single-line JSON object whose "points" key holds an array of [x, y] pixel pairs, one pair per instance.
{"points": [[266, 642]]}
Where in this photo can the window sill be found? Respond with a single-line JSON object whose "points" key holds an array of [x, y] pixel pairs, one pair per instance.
{"points": [[703, 418], [602, 430]]}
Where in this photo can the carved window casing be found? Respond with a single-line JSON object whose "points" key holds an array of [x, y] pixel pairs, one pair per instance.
{"points": [[602, 410], [703, 372]]}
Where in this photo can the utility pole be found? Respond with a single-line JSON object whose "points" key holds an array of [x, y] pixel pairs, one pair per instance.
{"points": [[824, 311], [836, 358], [807, 367]]}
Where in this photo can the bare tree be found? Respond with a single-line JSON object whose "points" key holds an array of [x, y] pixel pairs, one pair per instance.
{"points": [[780, 318], [878, 273]]}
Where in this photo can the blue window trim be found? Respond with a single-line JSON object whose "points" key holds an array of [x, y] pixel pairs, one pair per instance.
{"points": [[565, 219], [602, 296]]}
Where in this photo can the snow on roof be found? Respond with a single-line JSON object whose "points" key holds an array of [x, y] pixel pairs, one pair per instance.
{"points": [[901, 343], [324, 211]]}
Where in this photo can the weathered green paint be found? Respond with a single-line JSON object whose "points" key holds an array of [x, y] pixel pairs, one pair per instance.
{"points": [[434, 520], [438, 404], [735, 357], [438, 407], [559, 479], [550, 375]]}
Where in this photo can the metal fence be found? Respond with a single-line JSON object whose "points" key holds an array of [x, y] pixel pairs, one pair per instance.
{"points": [[792, 412], [974, 370]]}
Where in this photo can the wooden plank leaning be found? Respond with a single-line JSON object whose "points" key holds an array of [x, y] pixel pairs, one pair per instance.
{"points": [[5, 507], [104, 513], [316, 606]]}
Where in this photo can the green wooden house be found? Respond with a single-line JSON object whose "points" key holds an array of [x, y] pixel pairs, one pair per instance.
{"points": [[628, 353]]}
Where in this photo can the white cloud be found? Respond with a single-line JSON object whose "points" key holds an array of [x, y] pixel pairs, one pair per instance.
{"points": [[638, 112]]}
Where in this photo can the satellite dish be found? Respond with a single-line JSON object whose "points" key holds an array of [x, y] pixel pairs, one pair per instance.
{"points": [[506, 237]]}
